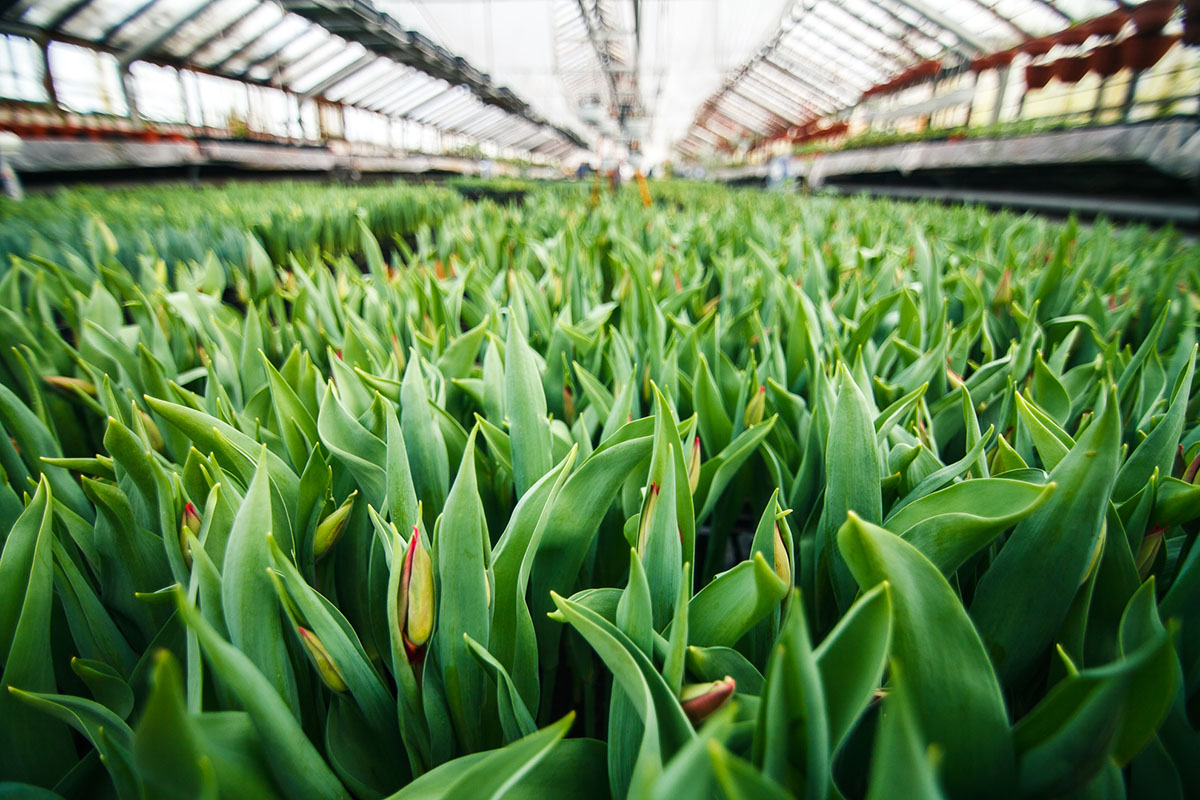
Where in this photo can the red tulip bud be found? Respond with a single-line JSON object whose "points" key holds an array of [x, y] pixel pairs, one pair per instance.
{"points": [[700, 700]]}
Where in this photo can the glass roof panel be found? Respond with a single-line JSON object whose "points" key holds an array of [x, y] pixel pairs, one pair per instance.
{"points": [[267, 42], [240, 30], [339, 60], [92, 20], [164, 16], [43, 13]]}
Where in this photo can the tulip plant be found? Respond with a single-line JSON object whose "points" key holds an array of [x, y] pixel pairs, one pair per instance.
{"points": [[319, 492]]}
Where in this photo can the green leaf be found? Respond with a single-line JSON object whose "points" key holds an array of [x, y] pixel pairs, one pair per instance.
{"points": [[852, 482], [956, 696], [166, 747], [902, 764], [33, 747], [791, 741], [1023, 597], [515, 718], [574, 763], [666, 727], [951, 525], [248, 595], [296, 765], [526, 406], [463, 555], [733, 602], [851, 660]]}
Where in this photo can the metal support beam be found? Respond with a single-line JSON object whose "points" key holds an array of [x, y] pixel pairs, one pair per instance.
{"points": [[602, 55], [730, 122], [1005, 72], [789, 70], [722, 141], [896, 40], [1063, 15], [743, 107], [66, 15], [485, 134], [409, 100], [514, 135], [366, 78], [120, 25], [403, 87], [155, 42], [446, 114], [804, 102], [705, 135], [129, 90], [384, 80], [221, 33], [1024, 33], [856, 68], [338, 76], [914, 29], [436, 104], [468, 120], [285, 71], [776, 122], [752, 94], [852, 45], [863, 73], [245, 46], [796, 107], [432, 94], [838, 89], [274, 52], [724, 131], [947, 24], [47, 76], [482, 114]]}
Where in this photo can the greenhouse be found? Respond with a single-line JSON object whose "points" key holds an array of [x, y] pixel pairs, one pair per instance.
{"points": [[599, 399]]}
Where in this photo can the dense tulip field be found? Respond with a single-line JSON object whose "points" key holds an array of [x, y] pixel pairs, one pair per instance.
{"points": [[387, 492]]}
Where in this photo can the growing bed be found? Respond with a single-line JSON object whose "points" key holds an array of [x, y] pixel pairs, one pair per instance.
{"points": [[313, 491]]}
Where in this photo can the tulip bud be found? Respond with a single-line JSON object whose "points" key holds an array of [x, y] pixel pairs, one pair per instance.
{"points": [[1189, 474], [190, 526], [1002, 296], [648, 506], [191, 519], [330, 674], [568, 404], [331, 528], [1148, 552], [700, 700], [756, 406], [71, 384], [783, 567], [152, 433], [419, 625], [693, 469], [415, 597]]}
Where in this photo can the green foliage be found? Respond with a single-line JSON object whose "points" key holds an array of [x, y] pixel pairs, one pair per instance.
{"points": [[383, 493]]}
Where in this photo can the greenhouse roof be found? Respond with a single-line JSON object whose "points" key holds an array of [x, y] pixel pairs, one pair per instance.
{"points": [[826, 53], [688, 75], [340, 50]]}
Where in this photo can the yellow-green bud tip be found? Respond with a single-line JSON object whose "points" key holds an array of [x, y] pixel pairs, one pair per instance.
{"points": [[330, 674]]}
